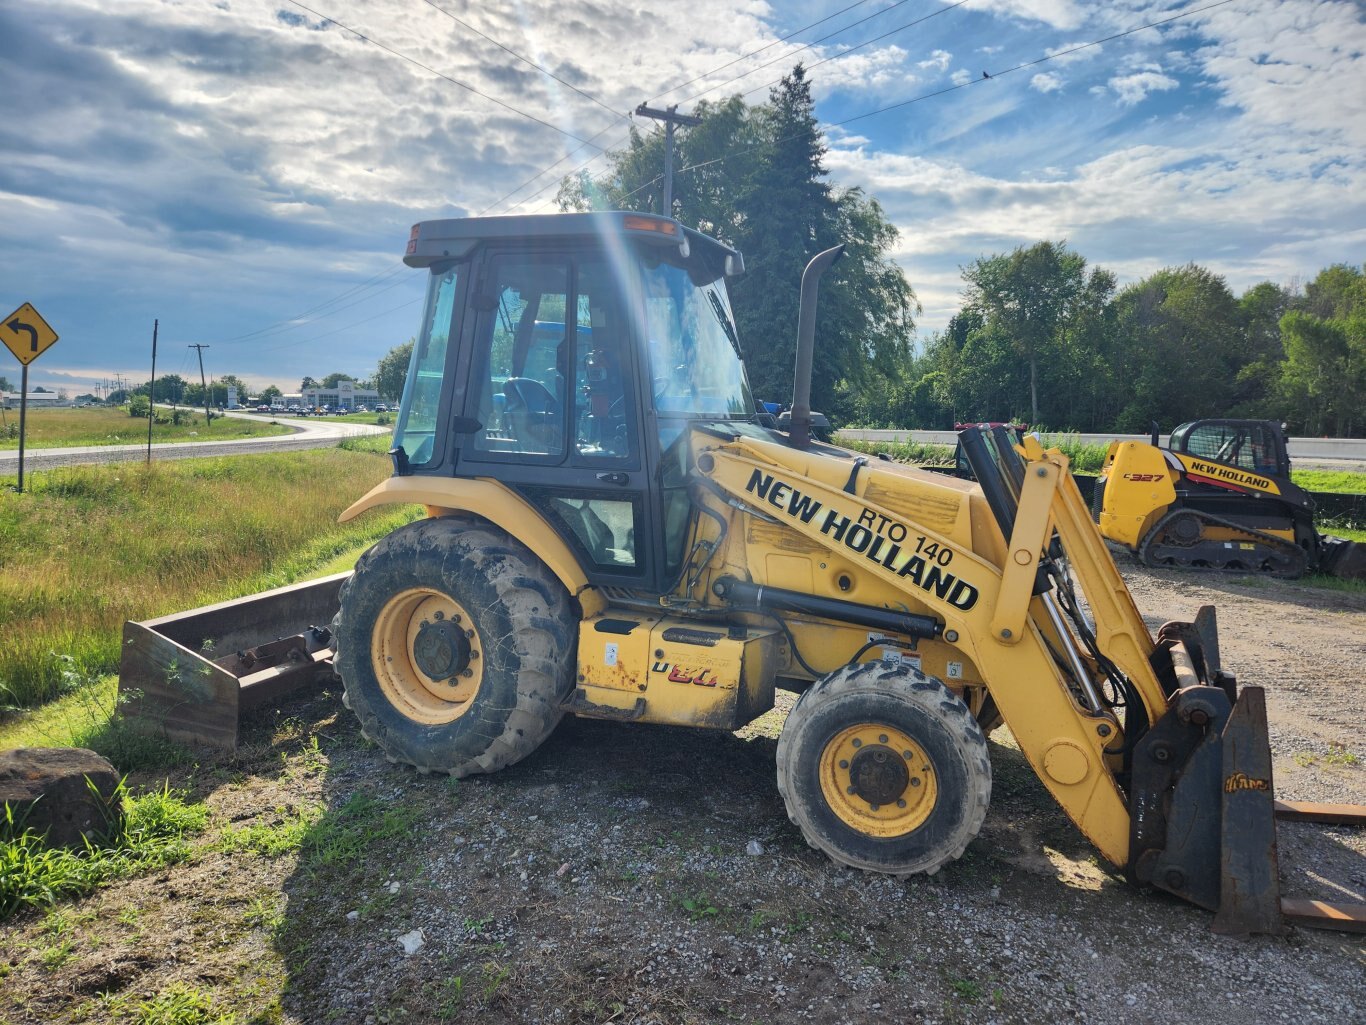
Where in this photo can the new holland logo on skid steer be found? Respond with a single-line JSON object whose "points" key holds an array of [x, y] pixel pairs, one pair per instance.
{"points": [[1228, 473], [875, 537]]}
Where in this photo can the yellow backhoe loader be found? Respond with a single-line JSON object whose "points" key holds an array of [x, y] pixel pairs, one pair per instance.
{"points": [[613, 531]]}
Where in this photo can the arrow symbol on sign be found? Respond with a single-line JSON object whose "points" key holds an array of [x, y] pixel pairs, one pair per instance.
{"points": [[16, 325]]}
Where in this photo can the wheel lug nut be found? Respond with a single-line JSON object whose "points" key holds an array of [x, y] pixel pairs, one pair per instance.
{"points": [[873, 807], [915, 781], [850, 790], [906, 755], [900, 803], [844, 763], [882, 739], [438, 615], [857, 742]]}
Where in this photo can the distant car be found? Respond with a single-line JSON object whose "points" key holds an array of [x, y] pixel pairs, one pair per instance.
{"points": [[381, 408], [263, 409]]}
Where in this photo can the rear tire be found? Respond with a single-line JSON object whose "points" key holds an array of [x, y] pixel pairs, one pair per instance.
{"points": [[455, 645], [884, 769]]}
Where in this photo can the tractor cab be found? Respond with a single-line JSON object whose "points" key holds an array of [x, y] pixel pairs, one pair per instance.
{"points": [[1257, 446], [564, 356]]}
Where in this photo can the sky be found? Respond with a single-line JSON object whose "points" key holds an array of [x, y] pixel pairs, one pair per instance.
{"points": [[245, 172]]}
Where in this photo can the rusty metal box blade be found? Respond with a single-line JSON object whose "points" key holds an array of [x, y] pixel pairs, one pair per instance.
{"points": [[190, 675]]}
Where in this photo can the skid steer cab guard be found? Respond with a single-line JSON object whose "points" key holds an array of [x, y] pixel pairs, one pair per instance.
{"points": [[613, 532]]}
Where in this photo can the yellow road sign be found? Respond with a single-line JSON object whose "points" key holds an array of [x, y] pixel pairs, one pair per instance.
{"points": [[27, 334]]}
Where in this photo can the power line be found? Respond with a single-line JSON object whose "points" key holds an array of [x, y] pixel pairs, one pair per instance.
{"points": [[680, 85], [527, 60], [344, 327], [430, 70], [1033, 63], [806, 46], [860, 46], [767, 46], [970, 82], [293, 321]]}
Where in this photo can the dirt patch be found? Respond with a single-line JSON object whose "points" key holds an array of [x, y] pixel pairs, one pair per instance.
{"points": [[607, 878]]}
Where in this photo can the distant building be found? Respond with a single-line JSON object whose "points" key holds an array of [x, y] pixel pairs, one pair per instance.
{"points": [[35, 398], [346, 395]]}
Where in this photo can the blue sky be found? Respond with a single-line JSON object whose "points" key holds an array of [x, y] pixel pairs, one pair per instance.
{"points": [[247, 173]]}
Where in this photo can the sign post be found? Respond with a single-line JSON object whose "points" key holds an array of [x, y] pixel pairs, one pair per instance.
{"points": [[28, 336]]}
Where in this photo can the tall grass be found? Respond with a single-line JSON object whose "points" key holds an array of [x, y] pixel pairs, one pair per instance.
{"points": [[103, 425], [1085, 458], [90, 547]]}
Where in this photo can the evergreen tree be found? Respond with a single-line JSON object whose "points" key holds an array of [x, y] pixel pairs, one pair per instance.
{"points": [[755, 178]]}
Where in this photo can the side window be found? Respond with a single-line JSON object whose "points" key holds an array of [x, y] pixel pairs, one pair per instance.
{"points": [[415, 430], [603, 528], [521, 360], [604, 426]]}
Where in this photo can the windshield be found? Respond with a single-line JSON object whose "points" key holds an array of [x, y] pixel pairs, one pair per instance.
{"points": [[694, 352], [415, 427]]}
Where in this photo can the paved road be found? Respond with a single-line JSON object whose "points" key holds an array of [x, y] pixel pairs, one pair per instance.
{"points": [[318, 433]]}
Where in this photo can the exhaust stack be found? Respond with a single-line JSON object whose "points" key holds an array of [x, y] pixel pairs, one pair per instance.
{"points": [[799, 430]]}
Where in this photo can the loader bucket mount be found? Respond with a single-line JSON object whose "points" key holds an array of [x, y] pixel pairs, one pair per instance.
{"points": [[190, 676], [1202, 802]]}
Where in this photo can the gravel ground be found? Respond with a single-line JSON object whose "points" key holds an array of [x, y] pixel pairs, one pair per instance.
{"points": [[642, 874]]}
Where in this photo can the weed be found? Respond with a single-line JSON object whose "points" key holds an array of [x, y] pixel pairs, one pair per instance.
{"points": [[152, 833], [494, 977], [478, 925], [1339, 755], [271, 839], [179, 1004], [449, 996], [698, 907], [130, 916], [967, 989], [338, 840], [264, 913], [53, 957]]}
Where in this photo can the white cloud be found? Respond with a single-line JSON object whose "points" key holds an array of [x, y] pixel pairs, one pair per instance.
{"points": [[1063, 14], [1133, 89], [938, 59], [961, 77], [1046, 82]]}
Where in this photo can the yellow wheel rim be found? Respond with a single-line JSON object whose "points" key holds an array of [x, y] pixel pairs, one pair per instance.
{"points": [[878, 780], [427, 656]]}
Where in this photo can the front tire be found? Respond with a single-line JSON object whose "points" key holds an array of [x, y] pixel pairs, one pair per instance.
{"points": [[455, 645], [884, 769]]}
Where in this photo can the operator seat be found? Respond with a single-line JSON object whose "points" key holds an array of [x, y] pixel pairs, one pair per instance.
{"points": [[532, 415]]}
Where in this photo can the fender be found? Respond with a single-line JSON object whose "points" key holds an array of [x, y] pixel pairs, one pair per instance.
{"points": [[495, 502]]}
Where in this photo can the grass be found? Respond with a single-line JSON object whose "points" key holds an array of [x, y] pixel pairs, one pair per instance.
{"points": [[1335, 482], [1085, 458], [153, 832], [104, 425], [90, 547]]}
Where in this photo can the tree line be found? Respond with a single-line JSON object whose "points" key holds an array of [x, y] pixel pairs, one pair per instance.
{"points": [[387, 379], [1041, 336]]}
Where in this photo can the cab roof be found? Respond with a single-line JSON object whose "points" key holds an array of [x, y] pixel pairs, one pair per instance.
{"points": [[434, 241]]}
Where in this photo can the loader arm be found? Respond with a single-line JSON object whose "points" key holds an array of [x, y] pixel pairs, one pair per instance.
{"points": [[991, 609]]}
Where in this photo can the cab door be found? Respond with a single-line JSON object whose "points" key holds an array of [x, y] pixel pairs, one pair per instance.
{"points": [[550, 407]]}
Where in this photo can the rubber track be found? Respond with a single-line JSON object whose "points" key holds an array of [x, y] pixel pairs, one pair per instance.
{"points": [[1296, 553]]}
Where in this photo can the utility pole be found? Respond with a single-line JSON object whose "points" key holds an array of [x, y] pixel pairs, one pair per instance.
{"points": [[208, 417], [670, 116], [152, 398]]}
